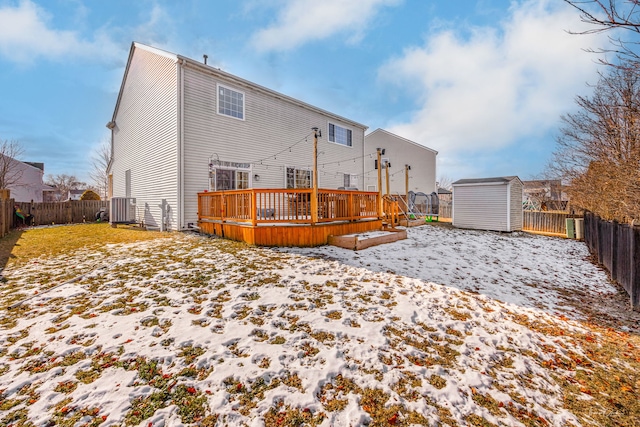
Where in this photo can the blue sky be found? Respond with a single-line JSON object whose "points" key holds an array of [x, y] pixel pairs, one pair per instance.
{"points": [[483, 82]]}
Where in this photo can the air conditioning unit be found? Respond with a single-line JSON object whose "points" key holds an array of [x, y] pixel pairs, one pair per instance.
{"points": [[123, 210]]}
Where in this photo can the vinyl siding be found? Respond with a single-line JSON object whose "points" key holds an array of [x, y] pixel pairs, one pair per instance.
{"points": [[400, 152], [271, 125], [516, 205], [481, 207], [145, 137]]}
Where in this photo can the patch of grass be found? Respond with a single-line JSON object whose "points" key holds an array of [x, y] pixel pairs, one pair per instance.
{"points": [[278, 340], [323, 336], [21, 247], [334, 315], [143, 407], [191, 353], [65, 387], [437, 381], [287, 416]]}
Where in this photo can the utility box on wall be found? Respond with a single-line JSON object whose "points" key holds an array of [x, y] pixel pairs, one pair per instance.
{"points": [[493, 204]]}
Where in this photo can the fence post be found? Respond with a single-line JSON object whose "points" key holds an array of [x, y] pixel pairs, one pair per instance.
{"points": [[3, 219], [634, 285], [615, 228]]}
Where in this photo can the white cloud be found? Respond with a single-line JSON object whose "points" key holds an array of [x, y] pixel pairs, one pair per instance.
{"points": [[489, 88], [24, 34], [27, 34], [302, 21]]}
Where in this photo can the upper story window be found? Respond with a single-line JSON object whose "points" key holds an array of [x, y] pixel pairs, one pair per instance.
{"points": [[340, 135], [230, 102]]}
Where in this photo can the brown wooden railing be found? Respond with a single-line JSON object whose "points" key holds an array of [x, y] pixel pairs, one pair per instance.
{"points": [[255, 206]]}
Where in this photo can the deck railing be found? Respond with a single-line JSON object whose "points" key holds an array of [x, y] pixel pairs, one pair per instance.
{"points": [[255, 206]]}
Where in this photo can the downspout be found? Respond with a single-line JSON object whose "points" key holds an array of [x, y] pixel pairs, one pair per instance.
{"points": [[180, 151]]}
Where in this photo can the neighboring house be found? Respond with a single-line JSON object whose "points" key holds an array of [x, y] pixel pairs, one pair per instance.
{"points": [[74, 195], [399, 153], [29, 185], [488, 203], [181, 127], [544, 194]]}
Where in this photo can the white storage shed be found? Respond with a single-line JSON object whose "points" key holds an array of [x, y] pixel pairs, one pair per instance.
{"points": [[488, 203]]}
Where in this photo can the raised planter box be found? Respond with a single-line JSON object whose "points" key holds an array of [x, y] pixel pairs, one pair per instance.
{"points": [[362, 241]]}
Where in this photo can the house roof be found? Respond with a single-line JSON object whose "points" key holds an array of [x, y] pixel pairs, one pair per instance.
{"points": [[35, 165], [444, 191], [494, 180], [399, 137], [221, 74]]}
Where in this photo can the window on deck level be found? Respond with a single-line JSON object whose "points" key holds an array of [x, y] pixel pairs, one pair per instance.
{"points": [[298, 178]]}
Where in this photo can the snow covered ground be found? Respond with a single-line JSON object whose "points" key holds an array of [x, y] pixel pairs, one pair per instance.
{"points": [[546, 273], [449, 326]]}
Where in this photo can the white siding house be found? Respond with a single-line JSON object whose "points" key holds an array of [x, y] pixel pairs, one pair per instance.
{"points": [[488, 203], [399, 152], [181, 127], [28, 182]]}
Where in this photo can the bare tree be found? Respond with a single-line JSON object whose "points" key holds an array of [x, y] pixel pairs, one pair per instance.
{"points": [[445, 182], [611, 15], [62, 184], [99, 163], [10, 172], [599, 147]]}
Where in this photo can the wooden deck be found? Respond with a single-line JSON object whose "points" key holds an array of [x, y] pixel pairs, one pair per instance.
{"points": [[282, 217]]}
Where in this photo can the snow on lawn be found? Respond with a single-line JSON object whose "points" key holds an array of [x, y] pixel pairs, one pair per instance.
{"points": [[202, 331], [547, 273]]}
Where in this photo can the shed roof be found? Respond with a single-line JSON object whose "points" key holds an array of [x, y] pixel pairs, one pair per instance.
{"points": [[494, 180]]}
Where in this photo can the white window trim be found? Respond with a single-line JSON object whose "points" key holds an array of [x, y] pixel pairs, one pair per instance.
{"points": [[343, 127], [244, 101]]}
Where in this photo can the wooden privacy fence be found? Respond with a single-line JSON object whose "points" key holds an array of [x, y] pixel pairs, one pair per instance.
{"points": [[617, 247], [546, 221], [71, 212], [445, 209]]}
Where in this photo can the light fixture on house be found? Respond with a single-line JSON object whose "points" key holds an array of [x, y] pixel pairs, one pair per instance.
{"points": [[256, 177]]}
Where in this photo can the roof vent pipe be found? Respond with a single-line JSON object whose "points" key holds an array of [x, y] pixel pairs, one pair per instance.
{"points": [[205, 59]]}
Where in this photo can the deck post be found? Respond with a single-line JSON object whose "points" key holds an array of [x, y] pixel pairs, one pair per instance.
{"points": [[314, 190], [380, 207], [254, 208], [407, 168]]}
